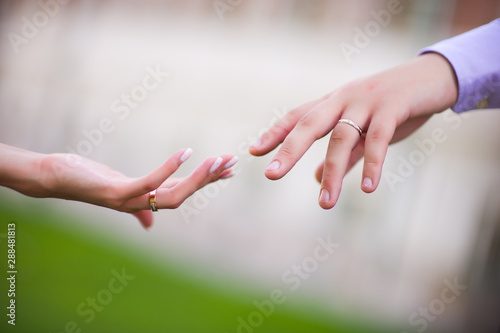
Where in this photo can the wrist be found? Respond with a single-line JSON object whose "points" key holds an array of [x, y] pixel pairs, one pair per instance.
{"points": [[52, 169], [436, 85]]}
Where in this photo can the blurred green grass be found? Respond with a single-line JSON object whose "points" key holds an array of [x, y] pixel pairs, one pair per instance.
{"points": [[61, 265]]}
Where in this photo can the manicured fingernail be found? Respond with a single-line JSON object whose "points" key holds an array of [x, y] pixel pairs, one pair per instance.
{"points": [[187, 154], [275, 165], [228, 175], [367, 183], [231, 163], [216, 164], [324, 196], [256, 143]]}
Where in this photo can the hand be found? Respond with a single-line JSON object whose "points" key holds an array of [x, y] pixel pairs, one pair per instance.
{"points": [[387, 106], [73, 177]]}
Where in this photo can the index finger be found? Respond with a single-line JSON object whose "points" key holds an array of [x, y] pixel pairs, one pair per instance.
{"points": [[153, 180], [280, 130], [311, 127]]}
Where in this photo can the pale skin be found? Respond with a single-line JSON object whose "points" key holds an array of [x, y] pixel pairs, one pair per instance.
{"points": [[72, 177], [387, 106]]}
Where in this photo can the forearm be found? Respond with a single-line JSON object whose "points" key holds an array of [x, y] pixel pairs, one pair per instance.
{"points": [[21, 170]]}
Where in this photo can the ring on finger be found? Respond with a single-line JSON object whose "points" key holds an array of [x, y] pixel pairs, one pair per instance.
{"points": [[152, 201], [352, 124]]}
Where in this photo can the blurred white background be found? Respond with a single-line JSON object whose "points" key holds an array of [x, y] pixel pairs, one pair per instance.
{"points": [[231, 75]]}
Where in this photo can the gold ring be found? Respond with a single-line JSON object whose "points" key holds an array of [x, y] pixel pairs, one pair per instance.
{"points": [[152, 201], [352, 124]]}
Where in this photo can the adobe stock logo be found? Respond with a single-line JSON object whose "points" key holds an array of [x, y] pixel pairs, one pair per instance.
{"points": [[292, 278], [30, 28], [373, 28], [223, 6], [94, 304], [121, 107], [420, 319]]}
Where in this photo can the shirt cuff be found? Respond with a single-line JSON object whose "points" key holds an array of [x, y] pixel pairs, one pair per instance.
{"points": [[475, 57]]}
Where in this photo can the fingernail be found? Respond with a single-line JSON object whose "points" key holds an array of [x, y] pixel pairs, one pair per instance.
{"points": [[367, 183], [216, 164], [228, 175], [231, 163], [324, 196], [256, 143], [186, 155], [275, 165]]}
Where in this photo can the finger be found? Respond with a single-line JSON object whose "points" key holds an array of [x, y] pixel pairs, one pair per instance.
{"points": [[145, 217], [170, 182], [279, 131], [378, 137], [167, 198], [311, 127], [154, 180], [226, 174], [206, 173], [343, 140], [356, 155]]}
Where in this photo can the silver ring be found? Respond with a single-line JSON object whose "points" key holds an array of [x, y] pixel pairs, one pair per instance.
{"points": [[152, 201], [352, 124]]}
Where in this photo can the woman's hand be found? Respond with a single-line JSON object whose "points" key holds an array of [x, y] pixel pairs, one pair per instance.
{"points": [[76, 178], [387, 107], [73, 177]]}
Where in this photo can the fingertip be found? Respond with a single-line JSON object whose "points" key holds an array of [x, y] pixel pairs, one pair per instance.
{"points": [[325, 199], [261, 148], [367, 185], [232, 162], [274, 166], [186, 155], [274, 170], [258, 151], [145, 217], [256, 144], [226, 174], [215, 165]]}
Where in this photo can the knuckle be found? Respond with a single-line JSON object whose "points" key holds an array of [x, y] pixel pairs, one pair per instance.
{"points": [[115, 202], [337, 137], [174, 199], [176, 203], [330, 180], [306, 121], [286, 152], [112, 192], [279, 129], [378, 135], [149, 185], [298, 112], [373, 164]]}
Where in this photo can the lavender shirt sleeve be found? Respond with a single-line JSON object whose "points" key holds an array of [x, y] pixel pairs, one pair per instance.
{"points": [[475, 57]]}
